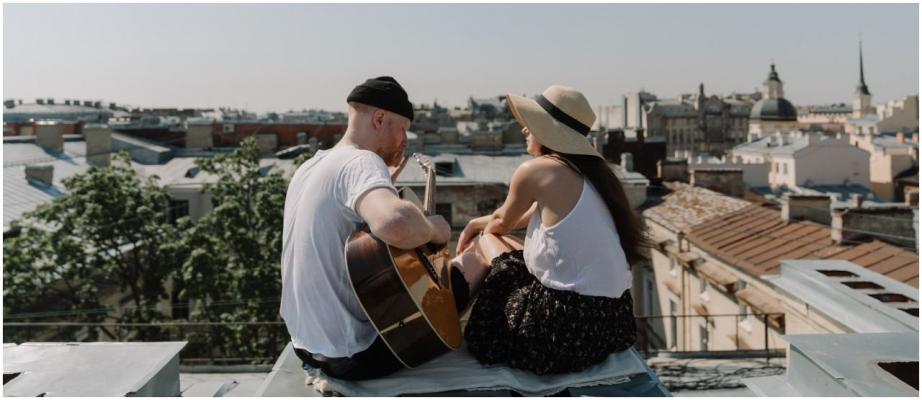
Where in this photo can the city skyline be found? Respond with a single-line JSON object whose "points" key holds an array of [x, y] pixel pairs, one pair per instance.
{"points": [[268, 57]]}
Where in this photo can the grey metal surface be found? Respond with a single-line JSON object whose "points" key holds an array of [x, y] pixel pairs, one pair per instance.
{"points": [[93, 369], [853, 308], [843, 365]]}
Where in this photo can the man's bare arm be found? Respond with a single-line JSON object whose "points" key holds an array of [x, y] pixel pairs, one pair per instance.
{"points": [[398, 222]]}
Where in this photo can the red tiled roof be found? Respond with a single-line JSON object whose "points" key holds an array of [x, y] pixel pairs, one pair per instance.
{"points": [[756, 239]]}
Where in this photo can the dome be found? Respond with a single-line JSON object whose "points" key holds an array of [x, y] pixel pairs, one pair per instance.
{"points": [[773, 110]]}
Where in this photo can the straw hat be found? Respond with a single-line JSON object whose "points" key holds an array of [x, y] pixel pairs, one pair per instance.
{"points": [[560, 118]]}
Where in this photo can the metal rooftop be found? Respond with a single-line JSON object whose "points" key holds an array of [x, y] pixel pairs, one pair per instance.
{"points": [[850, 294], [845, 365], [92, 369]]}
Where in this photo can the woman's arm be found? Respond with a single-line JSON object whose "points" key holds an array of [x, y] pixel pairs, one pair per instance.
{"points": [[519, 204]]}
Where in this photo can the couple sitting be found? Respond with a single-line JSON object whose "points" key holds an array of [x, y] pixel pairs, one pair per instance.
{"points": [[559, 302]]}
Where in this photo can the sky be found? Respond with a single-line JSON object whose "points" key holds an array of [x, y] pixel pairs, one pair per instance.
{"points": [[283, 57]]}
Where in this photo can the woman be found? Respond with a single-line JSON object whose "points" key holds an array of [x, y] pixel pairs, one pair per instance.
{"points": [[564, 303]]}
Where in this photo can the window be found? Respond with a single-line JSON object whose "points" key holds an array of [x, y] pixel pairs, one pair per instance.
{"points": [[178, 209], [785, 165], [703, 289], [703, 336], [673, 325], [673, 270], [444, 209], [745, 317], [649, 296], [445, 168], [228, 128]]}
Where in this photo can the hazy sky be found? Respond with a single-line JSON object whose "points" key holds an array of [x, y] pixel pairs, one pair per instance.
{"points": [[294, 56]]}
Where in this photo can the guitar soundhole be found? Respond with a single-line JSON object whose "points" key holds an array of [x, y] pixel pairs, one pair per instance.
{"points": [[429, 268]]}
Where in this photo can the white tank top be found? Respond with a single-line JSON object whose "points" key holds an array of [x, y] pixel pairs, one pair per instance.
{"points": [[582, 252]]}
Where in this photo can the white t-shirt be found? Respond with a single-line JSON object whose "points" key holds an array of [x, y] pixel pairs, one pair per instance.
{"points": [[318, 304]]}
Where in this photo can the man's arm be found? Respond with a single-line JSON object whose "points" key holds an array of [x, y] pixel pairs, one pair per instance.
{"points": [[398, 222]]}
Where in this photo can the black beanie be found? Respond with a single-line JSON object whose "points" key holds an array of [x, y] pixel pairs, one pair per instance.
{"points": [[383, 92]]}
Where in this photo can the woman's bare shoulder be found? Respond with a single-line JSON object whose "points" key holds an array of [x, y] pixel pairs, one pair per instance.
{"points": [[543, 170]]}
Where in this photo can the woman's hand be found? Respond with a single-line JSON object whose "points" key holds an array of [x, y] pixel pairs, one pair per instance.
{"points": [[473, 228]]}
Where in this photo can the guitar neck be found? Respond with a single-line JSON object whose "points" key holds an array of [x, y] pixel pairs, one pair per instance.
{"points": [[429, 200]]}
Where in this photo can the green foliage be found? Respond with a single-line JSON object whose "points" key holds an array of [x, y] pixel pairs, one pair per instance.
{"points": [[110, 229], [231, 255]]}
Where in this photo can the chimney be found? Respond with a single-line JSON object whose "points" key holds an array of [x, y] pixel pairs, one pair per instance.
{"points": [[312, 145], [627, 161], [40, 173], [900, 137], [836, 225], [911, 196], [9, 103], [199, 134], [98, 138], [50, 101], [49, 136], [814, 208], [40, 101], [857, 200]]}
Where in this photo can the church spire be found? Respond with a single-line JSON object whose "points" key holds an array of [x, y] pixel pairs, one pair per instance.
{"points": [[862, 87]]}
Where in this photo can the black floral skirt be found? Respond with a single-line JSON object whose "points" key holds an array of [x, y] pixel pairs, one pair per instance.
{"points": [[519, 321]]}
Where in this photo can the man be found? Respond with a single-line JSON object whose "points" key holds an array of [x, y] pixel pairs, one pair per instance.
{"points": [[328, 198]]}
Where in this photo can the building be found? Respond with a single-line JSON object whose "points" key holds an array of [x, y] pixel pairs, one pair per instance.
{"points": [[899, 115], [806, 159], [645, 152], [829, 118], [34, 167], [773, 113], [695, 122], [712, 255], [890, 156]]}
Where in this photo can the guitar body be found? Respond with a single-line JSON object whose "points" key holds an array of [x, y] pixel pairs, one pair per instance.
{"points": [[406, 295]]}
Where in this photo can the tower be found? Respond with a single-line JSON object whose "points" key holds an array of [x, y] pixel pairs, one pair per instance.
{"points": [[772, 88], [861, 104]]}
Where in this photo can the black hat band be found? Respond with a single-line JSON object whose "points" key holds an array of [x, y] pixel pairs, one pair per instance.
{"points": [[561, 116]]}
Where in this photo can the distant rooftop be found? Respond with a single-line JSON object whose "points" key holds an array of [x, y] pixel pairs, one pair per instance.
{"points": [[689, 205], [756, 239]]}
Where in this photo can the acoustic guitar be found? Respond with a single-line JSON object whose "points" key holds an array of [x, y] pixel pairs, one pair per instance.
{"points": [[406, 294]]}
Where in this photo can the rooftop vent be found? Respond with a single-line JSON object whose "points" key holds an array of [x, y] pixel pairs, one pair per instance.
{"points": [[862, 285], [908, 372], [40, 173], [445, 168], [891, 297], [9, 103], [9, 377], [911, 311], [264, 171], [837, 273]]}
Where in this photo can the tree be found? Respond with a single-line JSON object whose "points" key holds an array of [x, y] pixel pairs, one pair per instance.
{"points": [[109, 230], [231, 255]]}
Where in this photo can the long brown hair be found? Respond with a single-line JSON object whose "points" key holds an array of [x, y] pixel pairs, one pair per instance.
{"points": [[630, 230]]}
